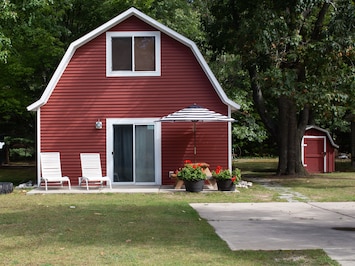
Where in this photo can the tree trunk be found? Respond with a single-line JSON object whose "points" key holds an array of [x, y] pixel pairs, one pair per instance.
{"points": [[352, 144], [293, 153], [290, 137], [282, 140]]}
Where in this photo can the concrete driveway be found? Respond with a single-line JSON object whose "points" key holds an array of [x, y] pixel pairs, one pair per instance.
{"points": [[285, 226]]}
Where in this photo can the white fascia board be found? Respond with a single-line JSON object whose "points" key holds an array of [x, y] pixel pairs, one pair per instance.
{"points": [[54, 80], [70, 52], [326, 132], [234, 106], [177, 36], [116, 20]]}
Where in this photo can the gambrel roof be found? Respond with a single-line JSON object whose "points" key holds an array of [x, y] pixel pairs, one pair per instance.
{"points": [[111, 23], [309, 127]]}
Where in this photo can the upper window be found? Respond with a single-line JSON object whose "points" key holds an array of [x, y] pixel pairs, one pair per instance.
{"points": [[133, 53]]}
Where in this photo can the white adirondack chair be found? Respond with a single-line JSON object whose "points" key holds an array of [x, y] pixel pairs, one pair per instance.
{"points": [[91, 170], [51, 169]]}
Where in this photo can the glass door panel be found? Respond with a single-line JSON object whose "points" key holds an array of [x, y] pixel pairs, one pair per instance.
{"points": [[134, 154], [123, 153], [144, 153]]}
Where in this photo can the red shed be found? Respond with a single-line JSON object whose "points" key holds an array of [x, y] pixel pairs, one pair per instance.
{"points": [[123, 77], [318, 150]]}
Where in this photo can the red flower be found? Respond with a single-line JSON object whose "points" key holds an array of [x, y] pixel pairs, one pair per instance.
{"points": [[187, 161], [218, 169], [234, 178]]}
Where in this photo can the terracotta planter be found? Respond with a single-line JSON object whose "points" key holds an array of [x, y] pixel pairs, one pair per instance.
{"points": [[194, 186], [225, 185]]}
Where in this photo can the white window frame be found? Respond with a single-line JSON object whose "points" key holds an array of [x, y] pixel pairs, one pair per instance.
{"points": [[115, 73]]}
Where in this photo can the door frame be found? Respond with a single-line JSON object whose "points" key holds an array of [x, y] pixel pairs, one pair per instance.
{"points": [[303, 145], [110, 122]]}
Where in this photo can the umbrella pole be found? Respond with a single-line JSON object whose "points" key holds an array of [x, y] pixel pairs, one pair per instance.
{"points": [[195, 142]]}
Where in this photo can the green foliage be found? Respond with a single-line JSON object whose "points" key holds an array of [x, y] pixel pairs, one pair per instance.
{"points": [[7, 15], [223, 174], [235, 82], [279, 39], [191, 172], [181, 16], [20, 149], [301, 50]]}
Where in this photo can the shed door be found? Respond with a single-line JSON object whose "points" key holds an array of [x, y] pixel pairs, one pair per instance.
{"points": [[315, 154]]}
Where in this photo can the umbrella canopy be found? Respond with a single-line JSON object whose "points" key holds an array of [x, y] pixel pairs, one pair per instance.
{"points": [[195, 113]]}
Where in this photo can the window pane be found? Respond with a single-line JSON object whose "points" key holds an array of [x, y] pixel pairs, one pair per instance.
{"points": [[122, 53], [144, 53]]}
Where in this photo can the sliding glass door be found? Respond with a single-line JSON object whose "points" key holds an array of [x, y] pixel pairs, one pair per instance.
{"points": [[133, 153]]}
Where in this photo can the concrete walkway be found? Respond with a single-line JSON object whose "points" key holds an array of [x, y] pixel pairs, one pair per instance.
{"points": [[285, 226]]}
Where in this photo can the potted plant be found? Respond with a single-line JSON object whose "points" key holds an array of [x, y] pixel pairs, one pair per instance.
{"points": [[193, 177], [226, 180]]}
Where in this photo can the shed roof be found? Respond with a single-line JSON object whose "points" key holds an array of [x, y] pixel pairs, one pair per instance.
{"points": [[111, 23], [326, 132]]}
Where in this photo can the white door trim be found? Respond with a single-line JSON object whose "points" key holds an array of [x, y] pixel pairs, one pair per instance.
{"points": [[110, 122]]}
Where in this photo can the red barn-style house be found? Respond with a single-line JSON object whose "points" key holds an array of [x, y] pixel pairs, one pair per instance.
{"points": [[110, 90], [318, 150]]}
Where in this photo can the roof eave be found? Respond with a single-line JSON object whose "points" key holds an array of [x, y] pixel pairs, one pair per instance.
{"points": [[326, 132]]}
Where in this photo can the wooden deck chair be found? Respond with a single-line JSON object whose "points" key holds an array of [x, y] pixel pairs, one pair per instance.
{"points": [[51, 169], [91, 170]]}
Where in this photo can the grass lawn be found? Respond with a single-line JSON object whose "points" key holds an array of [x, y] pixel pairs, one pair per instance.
{"points": [[332, 187], [144, 229], [123, 229]]}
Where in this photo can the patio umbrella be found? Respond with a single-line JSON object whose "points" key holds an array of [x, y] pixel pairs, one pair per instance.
{"points": [[195, 113]]}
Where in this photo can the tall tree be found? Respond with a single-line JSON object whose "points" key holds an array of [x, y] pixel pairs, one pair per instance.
{"points": [[7, 15], [299, 56], [36, 47]]}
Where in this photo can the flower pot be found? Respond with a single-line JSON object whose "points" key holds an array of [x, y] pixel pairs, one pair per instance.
{"points": [[194, 186], [225, 185]]}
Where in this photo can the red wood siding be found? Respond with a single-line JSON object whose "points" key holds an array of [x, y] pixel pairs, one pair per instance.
{"points": [[84, 94], [178, 143]]}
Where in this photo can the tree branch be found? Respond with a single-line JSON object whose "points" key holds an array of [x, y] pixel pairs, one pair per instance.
{"points": [[303, 120], [259, 102], [319, 23]]}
